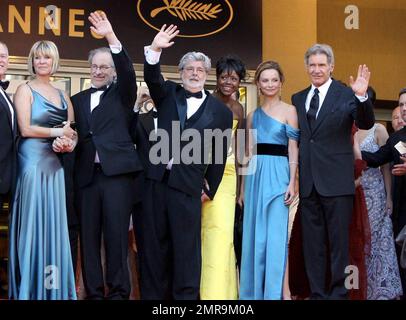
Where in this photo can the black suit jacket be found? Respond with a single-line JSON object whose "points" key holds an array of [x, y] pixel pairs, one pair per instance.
{"points": [[170, 101], [388, 153], [141, 131], [326, 154], [8, 140], [107, 128]]}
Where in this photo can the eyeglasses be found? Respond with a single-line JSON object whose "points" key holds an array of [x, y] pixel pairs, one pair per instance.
{"points": [[103, 68]]}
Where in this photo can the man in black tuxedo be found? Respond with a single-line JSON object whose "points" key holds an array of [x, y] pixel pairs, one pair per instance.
{"points": [[326, 112], [106, 164], [389, 153], [170, 255], [8, 133]]}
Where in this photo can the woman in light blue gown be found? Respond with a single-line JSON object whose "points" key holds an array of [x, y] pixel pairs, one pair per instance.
{"points": [[40, 264], [269, 188]]}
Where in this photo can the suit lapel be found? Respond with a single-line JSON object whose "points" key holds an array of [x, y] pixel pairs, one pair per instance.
{"points": [[328, 104], [302, 109], [4, 105], [208, 115], [181, 106], [86, 106]]}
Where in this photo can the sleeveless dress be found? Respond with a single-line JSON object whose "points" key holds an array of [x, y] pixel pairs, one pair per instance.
{"points": [[40, 265], [219, 272], [382, 268], [265, 226]]}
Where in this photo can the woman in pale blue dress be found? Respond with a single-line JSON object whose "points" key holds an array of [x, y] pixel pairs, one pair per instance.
{"points": [[40, 263], [269, 188]]}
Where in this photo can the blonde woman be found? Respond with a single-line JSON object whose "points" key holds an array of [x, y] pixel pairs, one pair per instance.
{"points": [[269, 189], [40, 257]]}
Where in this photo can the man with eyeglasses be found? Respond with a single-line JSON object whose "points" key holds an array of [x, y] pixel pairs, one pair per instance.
{"points": [[106, 164], [170, 245]]}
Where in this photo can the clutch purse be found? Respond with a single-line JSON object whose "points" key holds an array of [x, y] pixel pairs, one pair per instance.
{"points": [[401, 240], [61, 125]]}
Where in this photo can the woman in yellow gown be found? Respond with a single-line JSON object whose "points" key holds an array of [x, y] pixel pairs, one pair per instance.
{"points": [[219, 272]]}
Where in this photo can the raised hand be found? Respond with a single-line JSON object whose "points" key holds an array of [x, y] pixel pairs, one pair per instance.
{"points": [[100, 24], [360, 85], [164, 37]]}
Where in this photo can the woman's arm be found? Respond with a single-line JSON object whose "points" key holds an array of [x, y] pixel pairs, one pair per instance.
{"points": [[381, 136], [293, 156], [239, 154], [247, 154], [22, 102], [66, 143]]}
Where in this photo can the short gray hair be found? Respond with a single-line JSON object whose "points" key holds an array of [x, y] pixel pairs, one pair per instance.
{"points": [[93, 52], [320, 49], [195, 56]]}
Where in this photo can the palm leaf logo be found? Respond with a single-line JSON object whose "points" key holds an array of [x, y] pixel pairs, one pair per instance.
{"points": [[189, 9]]}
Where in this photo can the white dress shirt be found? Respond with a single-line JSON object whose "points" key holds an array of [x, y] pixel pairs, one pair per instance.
{"points": [[322, 95], [95, 96], [193, 104]]}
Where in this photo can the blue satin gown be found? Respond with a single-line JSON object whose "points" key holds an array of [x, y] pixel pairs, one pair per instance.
{"points": [[40, 264], [265, 225]]}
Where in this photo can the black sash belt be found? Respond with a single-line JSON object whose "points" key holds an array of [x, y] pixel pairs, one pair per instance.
{"points": [[272, 149]]}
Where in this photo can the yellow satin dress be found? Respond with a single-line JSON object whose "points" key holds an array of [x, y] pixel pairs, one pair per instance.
{"points": [[219, 272]]}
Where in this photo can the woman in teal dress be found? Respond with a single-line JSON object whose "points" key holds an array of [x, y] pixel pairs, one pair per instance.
{"points": [[40, 263], [269, 188]]}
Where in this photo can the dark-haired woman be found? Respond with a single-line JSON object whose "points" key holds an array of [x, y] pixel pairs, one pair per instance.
{"points": [[219, 274]]}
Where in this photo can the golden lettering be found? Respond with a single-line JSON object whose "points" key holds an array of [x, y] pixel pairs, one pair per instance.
{"points": [[53, 21], [73, 23], [13, 15]]}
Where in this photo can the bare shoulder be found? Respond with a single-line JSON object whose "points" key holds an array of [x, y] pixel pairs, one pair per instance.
{"points": [[291, 115], [289, 108], [23, 92], [380, 127], [380, 130], [23, 88], [290, 111], [238, 109]]}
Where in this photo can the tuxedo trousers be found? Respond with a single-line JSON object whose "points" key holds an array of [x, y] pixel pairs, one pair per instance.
{"points": [[325, 227], [105, 207], [169, 243]]}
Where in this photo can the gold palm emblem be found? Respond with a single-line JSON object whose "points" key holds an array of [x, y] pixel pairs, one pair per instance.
{"points": [[189, 9]]}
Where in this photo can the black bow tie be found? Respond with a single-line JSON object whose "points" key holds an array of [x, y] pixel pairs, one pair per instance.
{"points": [[197, 95], [4, 84], [154, 114], [102, 88]]}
